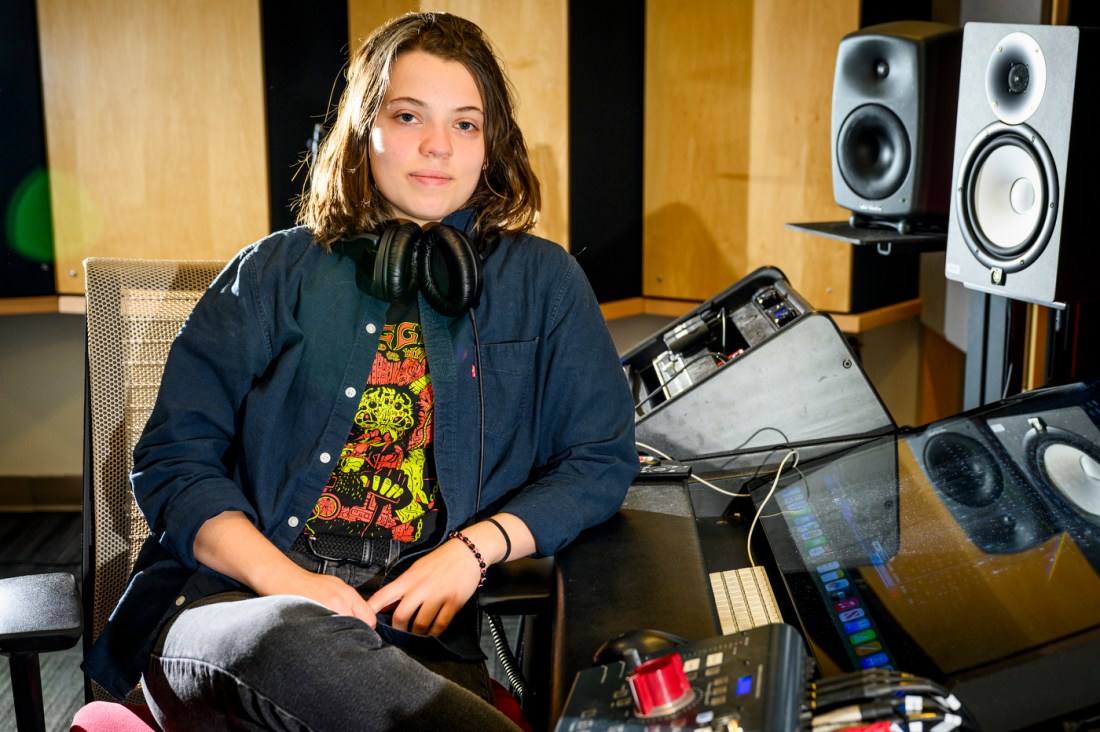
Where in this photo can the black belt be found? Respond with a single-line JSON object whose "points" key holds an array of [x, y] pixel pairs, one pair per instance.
{"points": [[365, 552]]}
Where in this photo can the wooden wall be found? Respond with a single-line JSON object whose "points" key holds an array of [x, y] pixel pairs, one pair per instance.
{"points": [[697, 140], [738, 105], [155, 129], [532, 40], [790, 165]]}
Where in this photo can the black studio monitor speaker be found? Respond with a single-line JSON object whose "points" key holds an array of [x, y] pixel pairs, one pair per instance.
{"points": [[1025, 178], [893, 119]]}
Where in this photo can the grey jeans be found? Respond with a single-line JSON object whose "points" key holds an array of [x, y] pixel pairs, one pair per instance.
{"points": [[238, 661]]}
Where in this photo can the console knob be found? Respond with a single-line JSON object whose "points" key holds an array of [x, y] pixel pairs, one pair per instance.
{"points": [[660, 687]]}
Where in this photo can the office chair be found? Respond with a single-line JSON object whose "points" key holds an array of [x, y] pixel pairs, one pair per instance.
{"points": [[134, 310]]}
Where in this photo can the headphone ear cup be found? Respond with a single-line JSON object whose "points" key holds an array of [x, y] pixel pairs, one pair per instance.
{"points": [[448, 269], [392, 278]]}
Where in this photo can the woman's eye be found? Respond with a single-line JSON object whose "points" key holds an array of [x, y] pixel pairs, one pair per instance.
{"points": [[467, 126], [406, 117]]}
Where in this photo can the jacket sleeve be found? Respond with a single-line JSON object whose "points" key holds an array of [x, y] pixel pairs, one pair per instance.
{"points": [[183, 460], [586, 455]]}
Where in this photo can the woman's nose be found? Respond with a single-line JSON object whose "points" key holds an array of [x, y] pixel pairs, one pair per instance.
{"points": [[436, 142]]}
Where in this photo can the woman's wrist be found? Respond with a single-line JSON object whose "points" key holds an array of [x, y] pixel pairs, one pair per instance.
{"points": [[482, 564], [507, 539]]}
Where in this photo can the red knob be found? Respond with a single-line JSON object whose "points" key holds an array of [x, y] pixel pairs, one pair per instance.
{"points": [[660, 686]]}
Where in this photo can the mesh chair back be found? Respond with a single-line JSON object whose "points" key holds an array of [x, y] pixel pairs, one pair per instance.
{"points": [[135, 309]]}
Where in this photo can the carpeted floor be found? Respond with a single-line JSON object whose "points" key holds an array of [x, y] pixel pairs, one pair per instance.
{"points": [[32, 543]]}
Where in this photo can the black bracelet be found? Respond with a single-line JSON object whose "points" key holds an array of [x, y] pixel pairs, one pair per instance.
{"points": [[507, 540], [470, 545]]}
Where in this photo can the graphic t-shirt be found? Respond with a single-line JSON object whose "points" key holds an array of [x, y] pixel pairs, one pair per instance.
{"points": [[384, 486]]}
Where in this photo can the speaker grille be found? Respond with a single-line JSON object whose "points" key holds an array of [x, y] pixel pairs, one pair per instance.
{"points": [[872, 152]]}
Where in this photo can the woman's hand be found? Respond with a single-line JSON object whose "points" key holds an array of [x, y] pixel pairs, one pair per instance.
{"points": [[332, 592], [230, 544], [426, 597]]}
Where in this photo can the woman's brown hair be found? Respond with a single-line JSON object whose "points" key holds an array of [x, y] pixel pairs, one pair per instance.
{"points": [[342, 199]]}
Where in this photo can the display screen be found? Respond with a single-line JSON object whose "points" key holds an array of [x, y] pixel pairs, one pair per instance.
{"points": [[971, 542]]}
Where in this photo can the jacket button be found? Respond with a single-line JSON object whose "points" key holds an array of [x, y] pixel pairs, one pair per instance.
{"points": [[325, 457], [292, 521], [349, 392], [180, 600], [371, 328]]}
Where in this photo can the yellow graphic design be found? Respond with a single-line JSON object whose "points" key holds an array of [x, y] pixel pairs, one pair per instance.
{"points": [[384, 483], [384, 415]]}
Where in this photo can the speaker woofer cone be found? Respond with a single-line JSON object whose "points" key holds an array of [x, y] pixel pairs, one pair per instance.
{"points": [[872, 152], [1007, 196]]}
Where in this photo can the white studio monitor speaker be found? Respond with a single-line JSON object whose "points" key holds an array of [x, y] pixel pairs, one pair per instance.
{"points": [[1025, 177]]}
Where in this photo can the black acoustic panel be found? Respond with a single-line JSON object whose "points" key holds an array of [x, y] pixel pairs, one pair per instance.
{"points": [[305, 50], [893, 110], [1024, 171], [606, 140], [26, 254], [878, 280]]}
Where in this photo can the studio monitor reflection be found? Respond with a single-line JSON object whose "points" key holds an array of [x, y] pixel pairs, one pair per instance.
{"points": [[984, 494]]}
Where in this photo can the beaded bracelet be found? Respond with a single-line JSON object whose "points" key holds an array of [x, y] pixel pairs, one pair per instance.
{"points": [[507, 539], [470, 545]]}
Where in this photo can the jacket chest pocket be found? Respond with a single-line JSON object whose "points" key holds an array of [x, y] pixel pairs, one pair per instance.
{"points": [[508, 372]]}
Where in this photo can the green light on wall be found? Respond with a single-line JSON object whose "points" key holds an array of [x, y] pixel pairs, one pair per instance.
{"points": [[28, 222]]}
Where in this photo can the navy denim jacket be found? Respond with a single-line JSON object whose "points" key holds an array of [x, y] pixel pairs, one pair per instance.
{"points": [[263, 381]]}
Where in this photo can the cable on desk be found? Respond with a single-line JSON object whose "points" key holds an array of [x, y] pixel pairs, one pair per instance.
{"points": [[760, 509], [883, 700]]}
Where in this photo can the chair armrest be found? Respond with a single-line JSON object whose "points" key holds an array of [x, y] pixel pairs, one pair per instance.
{"points": [[39, 613], [522, 587]]}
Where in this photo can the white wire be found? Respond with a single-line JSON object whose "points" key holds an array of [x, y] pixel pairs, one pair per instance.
{"points": [[713, 487], [756, 517], [655, 451], [696, 478]]}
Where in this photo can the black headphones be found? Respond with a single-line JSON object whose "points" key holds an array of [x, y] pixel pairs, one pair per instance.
{"points": [[446, 266], [438, 260]]}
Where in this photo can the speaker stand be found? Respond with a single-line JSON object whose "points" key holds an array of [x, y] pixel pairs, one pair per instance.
{"points": [[995, 346], [859, 231]]}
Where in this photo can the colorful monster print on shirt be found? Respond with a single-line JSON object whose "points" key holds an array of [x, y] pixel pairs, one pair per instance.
{"points": [[384, 483]]}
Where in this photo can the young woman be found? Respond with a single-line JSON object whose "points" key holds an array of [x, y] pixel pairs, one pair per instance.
{"points": [[364, 412]]}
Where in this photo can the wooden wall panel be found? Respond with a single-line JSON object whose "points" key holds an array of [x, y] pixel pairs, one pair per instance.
{"points": [[155, 129], [794, 59], [697, 98], [532, 40]]}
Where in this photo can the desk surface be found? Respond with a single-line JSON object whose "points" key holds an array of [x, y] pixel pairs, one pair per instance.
{"points": [[660, 581]]}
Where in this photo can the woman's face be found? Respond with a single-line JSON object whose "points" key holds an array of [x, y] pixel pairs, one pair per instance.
{"points": [[427, 146]]}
